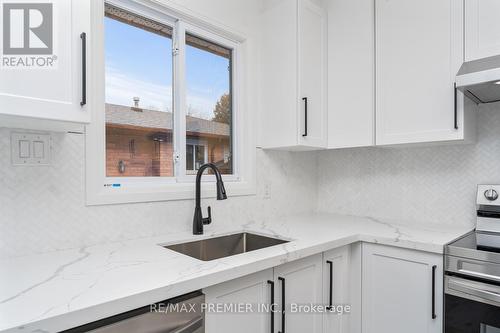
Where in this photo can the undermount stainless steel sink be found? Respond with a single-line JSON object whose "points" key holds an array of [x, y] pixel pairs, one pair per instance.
{"points": [[224, 246]]}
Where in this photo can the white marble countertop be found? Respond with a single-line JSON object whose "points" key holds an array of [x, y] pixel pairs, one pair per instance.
{"points": [[59, 290]]}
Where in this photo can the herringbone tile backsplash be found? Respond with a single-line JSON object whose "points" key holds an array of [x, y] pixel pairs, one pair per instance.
{"points": [[43, 209], [426, 185]]}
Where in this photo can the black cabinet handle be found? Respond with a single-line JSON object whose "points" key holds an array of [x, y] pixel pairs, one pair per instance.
{"points": [[434, 316], [83, 37], [282, 304], [330, 303], [305, 116], [455, 106], [271, 283]]}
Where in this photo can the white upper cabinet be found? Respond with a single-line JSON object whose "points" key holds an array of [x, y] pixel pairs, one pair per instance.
{"points": [[293, 88], [419, 49], [351, 81], [482, 29], [402, 290], [42, 73]]}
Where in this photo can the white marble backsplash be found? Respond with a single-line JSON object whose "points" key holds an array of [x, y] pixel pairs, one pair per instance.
{"points": [[419, 185], [43, 209]]}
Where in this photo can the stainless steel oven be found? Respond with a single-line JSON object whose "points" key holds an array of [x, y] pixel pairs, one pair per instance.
{"points": [[472, 271], [471, 305]]}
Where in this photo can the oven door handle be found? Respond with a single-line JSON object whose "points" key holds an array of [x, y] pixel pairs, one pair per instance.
{"points": [[477, 291], [479, 274], [474, 268]]}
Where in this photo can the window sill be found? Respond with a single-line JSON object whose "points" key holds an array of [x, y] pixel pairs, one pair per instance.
{"points": [[168, 192]]}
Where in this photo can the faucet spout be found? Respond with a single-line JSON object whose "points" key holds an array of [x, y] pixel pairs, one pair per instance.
{"points": [[198, 220]]}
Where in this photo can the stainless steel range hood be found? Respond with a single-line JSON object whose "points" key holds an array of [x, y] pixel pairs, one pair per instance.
{"points": [[480, 79]]}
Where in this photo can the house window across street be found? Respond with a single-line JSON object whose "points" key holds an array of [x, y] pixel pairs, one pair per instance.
{"points": [[196, 156]]}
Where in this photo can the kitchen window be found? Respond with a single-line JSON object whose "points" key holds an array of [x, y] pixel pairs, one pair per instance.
{"points": [[170, 104], [139, 96]]}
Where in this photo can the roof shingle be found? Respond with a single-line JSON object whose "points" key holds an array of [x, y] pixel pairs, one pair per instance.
{"points": [[127, 116]]}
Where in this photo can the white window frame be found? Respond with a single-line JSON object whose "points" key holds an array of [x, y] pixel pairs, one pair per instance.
{"points": [[113, 190]]}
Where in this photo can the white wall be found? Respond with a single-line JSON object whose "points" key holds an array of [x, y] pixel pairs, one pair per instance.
{"points": [[431, 185], [43, 209]]}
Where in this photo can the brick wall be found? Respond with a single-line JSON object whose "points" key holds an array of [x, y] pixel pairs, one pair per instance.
{"points": [[144, 157], [216, 149]]}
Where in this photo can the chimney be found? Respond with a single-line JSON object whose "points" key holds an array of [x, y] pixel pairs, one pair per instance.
{"points": [[136, 104]]}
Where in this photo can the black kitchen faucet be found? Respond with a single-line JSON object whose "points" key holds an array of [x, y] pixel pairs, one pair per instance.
{"points": [[198, 219]]}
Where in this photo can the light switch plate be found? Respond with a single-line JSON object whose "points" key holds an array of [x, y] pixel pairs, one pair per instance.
{"points": [[30, 148]]}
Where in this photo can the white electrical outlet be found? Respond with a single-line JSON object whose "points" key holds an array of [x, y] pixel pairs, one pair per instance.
{"points": [[30, 148]]}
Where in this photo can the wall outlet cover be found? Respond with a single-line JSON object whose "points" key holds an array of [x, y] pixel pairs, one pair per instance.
{"points": [[30, 148]]}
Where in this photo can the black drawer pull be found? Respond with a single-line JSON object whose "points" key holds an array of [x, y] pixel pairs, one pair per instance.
{"points": [[305, 116], [83, 37], [271, 309], [455, 107], [282, 304], [330, 303], [434, 316]]}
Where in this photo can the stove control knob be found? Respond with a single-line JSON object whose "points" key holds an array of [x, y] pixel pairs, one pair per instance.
{"points": [[491, 194]]}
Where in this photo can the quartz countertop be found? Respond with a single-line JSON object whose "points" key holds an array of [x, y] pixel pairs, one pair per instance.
{"points": [[59, 290]]}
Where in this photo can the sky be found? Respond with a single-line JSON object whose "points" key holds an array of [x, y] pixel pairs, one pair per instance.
{"points": [[139, 64]]}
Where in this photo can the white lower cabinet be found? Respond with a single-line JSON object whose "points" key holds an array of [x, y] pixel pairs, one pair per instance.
{"points": [[388, 289], [253, 289], [336, 288], [398, 293], [300, 283]]}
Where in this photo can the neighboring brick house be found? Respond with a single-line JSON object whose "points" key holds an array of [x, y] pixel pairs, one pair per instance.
{"points": [[139, 143]]}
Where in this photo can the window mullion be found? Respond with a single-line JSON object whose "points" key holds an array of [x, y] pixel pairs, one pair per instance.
{"points": [[180, 99]]}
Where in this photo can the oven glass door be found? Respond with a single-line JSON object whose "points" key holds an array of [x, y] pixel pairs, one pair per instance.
{"points": [[466, 316], [471, 306]]}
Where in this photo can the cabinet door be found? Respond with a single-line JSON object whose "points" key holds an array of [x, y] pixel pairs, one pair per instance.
{"points": [[42, 90], [278, 89], [398, 291], [482, 29], [336, 289], [312, 66], [419, 49], [252, 289], [300, 282], [351, 69]]}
